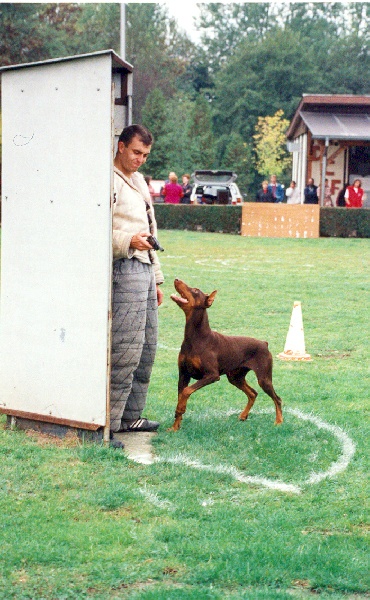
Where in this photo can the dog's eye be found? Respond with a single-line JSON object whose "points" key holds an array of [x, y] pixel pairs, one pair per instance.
{"points": [[196, 290]]}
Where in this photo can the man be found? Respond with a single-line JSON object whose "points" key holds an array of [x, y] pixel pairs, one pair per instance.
{"points": [[136, 279], [276, 189], [310, 193]]}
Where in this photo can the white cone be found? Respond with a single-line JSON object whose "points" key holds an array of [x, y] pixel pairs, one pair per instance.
{"points": [[294, 348]]}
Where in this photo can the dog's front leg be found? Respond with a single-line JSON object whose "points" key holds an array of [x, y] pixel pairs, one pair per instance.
{"points": [[186, 392]]}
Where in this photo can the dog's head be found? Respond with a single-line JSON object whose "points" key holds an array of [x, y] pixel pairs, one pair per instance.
{"points": [[191, 298]]}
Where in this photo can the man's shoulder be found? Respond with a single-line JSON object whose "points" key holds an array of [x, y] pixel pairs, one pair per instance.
{"points": [[138, 178]]}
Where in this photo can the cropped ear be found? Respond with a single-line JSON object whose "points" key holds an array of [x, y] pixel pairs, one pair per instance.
{"points": [[210, 298]]}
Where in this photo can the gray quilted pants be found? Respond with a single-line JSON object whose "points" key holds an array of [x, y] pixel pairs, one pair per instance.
{"points": [[134, 338]]}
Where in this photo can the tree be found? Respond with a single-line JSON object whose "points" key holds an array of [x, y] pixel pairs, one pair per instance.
{"points": [[154, 118], [158, 52], [201, 135], [178, 137], [262, 77], [32, 32], [225, 25], [270, 145], [236, 155]]}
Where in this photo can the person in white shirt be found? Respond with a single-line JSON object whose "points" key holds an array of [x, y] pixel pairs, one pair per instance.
{"points": [[293, 194]]}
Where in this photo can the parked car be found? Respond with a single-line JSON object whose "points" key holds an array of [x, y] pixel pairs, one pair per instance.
{"points": [[215, 187]]}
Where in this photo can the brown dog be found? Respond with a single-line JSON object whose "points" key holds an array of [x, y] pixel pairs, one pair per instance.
{"points": [[205, 355]]}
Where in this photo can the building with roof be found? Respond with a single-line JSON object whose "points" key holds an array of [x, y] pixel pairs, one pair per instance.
{"points": [[329, 137]]}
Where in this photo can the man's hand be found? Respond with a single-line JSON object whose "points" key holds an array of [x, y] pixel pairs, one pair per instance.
{"points": [[159, 295], [139, 241]]}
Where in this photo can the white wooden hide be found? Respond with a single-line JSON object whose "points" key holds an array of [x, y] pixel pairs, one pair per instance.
{"points": [[56, 239]]}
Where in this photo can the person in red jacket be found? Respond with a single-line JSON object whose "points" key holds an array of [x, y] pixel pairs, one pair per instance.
{"points": [[172, 191], [354, 195]]}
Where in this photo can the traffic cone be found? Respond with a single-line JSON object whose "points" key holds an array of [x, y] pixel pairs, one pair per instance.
{"points": [[294, 348]]}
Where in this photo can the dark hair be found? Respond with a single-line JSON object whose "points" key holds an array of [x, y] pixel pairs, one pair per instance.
{"points": [[131, 131]]}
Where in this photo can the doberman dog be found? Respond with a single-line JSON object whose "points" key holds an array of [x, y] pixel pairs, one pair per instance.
{"points": [[205, 355]]}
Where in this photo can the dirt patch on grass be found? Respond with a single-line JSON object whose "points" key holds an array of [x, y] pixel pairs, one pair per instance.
{"points": [[330, 354], [302, 589], [70, 440]]}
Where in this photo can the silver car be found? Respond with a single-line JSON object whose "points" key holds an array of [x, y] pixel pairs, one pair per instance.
{"points": [[215, 187]]}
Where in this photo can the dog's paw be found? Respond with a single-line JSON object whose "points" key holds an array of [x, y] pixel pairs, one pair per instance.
{"points": [[243, 417]]}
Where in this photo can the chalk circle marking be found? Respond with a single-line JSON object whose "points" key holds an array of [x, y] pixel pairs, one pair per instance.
{"points": [[338, 466]]}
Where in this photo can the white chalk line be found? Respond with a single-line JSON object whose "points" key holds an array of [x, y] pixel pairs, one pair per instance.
{"points": [[153, 498], [182, 459], [348, 446], [338, 466]]}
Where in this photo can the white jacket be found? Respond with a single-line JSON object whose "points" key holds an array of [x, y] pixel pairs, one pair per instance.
{"points": [[130, 217], [293, 195]]}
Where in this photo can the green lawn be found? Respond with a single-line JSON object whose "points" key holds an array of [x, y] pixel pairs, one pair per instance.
{"points": [[236, 510]]}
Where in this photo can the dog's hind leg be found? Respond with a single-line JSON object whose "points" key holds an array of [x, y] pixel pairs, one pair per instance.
{"points": [[266, 385], [263, 370], [238, 379]]}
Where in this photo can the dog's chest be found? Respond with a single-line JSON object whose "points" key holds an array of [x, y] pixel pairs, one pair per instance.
{"points": [[191, 361]]}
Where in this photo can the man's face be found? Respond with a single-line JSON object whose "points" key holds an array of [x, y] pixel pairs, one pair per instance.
{"points": [[273, 179], [131, 157]]}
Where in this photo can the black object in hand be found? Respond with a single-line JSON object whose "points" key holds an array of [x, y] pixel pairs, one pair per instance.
{"points": [[154, 243]]}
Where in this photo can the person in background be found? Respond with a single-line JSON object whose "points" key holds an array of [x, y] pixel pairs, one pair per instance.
{"points": [[148, 179], [264, 194], [276, 189], [354, 195], [327, 194], [310, 193], [293, 194], [186, 188], [172, 191], [340, 198]]}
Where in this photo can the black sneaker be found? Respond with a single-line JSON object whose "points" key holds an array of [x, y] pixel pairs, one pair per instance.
{"points": [[113, 442], [139, 425]]}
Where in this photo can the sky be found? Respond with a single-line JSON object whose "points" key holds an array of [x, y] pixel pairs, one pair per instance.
{"points": [[184, 13]]}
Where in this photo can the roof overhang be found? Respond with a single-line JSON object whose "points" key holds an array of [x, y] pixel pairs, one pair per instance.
{"points": [[336, 126], [117, 61]]}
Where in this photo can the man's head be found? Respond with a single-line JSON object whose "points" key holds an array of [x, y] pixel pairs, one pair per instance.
{"points": [[134, 145], [310, 181], [273, 179]]}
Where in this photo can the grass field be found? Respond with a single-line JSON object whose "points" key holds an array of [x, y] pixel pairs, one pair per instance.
{"points": [[236, 510]]}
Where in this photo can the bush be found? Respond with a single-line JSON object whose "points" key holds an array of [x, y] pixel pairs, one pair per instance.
{"points": [[334, 222], [222, 219], [344, 222]]}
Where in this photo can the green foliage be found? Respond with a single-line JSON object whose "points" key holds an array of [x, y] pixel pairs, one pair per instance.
{"points": [[31, 32], [159, 52], [260, 79], [344, 222], [201, 134], [237, 156], [270, 145], [154, 118], [225, 219]]}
